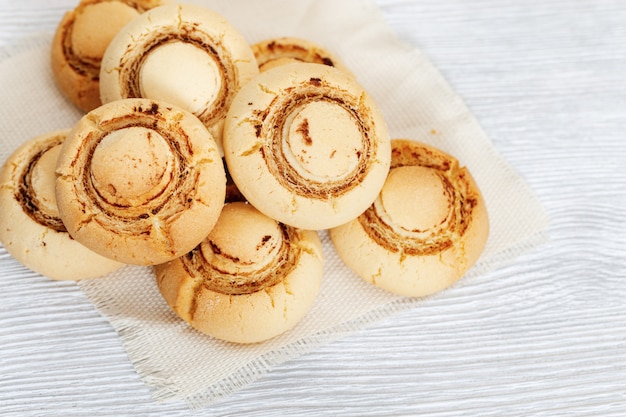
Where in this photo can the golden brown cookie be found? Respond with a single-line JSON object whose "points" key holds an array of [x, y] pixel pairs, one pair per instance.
{"points": [[140, 181], [183, 54], [30, 227], [306, 145], [80, 41], [250, 280], [272, 52], [428, 226]]}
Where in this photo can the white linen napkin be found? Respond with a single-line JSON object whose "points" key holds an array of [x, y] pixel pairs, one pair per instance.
{"points": [[182, 364]]}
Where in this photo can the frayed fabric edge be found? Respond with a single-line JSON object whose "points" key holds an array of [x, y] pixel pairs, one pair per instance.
{"points": [[252, 371], [262, 365], [164, 390]]}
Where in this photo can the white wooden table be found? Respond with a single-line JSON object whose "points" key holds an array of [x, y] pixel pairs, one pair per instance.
{"points": [[545, 336]]}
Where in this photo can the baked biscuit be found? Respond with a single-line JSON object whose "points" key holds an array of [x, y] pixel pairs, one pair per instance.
{"points": [[30, 227], [250, 280], [270, 53], [140, 181], [80, 41], [427, 227], [306, 145], [182, 54]]}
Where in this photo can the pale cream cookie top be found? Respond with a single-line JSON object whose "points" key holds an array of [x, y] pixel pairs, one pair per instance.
{"points": [[30, 227], [79, 43], [182, 54], [307, 145], [140, 181], [427, 227], [250, 280]]}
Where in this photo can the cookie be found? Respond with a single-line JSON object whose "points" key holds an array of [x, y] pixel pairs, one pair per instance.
{"points": [[427, 227], [270, 53], [307, 145], [140, 181], [30, 227], [250, 280], [80, 40], [183, 54]]}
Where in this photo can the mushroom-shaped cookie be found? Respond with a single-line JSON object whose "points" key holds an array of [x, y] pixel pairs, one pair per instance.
{"points": [[273, 52], [251, 279], [80, 41], [306, 145], [140, 181], [426, 228], [183, 54], [30, 227]]}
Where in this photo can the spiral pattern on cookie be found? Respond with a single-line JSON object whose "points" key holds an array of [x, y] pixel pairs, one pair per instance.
{"points": [[186, 32], [31, 227], [183, 54], [80, 42], [223, 272], [26, 193], [89, 66], [427, 227], [143, 171], [460, 199], [311, 137], [175, 180], [251, 279], [287, 138]]}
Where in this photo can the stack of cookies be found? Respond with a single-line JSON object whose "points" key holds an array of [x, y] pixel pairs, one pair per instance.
{"points": [[217, 163]]}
